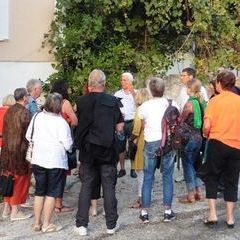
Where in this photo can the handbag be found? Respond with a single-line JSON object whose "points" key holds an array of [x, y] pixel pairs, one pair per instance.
{"points": [[6, 185], [132, 149], [72, 159], [29, 152]]}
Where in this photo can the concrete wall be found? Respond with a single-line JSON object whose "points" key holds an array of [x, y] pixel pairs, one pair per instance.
{"points": [[28, 21], [21, 54]]}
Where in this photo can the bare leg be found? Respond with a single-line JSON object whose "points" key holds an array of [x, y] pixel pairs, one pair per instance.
{"points": [[122, 160], [58, 203], [15, 209], [48, 208], [38, 207], [6, 209], [94, 207], [212, 210], [229, 212]]}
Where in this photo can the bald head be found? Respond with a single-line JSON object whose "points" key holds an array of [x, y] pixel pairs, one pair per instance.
{"points": [[96, 79]]}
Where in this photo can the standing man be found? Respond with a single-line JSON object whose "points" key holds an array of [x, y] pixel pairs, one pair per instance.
{"points": [[126, 95], [99, 117], [186, 75], [34, 88]]}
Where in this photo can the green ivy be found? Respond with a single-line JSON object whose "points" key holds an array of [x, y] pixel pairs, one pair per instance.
{"points": [[142, 36]]}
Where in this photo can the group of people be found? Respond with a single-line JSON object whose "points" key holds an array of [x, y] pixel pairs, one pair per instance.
{"points": [[104, 126]]}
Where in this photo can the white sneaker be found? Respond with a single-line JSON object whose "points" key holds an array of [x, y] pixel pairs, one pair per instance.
{"points": [[82, 231], [113, 230]]}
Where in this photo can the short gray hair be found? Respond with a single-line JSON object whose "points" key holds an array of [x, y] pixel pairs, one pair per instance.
{"points": [[20, 93], [53, 103], [8, 100], [32, 83], [156, 86], [129, 76], [96, 78]]}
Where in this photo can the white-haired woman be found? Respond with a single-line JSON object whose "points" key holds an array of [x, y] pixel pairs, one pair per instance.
{"points": [[52, 138]]}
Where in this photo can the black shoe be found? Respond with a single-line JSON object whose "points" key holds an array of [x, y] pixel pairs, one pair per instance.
{"points": [[144, 218], [230, 226], [121, 173], [133, 173], [169, 217]]}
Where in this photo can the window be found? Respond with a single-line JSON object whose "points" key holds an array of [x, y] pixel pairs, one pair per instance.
{"points": [[4, 20]]}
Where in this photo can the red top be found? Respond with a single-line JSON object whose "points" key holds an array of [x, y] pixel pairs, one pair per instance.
{"points": [[3, 110]]}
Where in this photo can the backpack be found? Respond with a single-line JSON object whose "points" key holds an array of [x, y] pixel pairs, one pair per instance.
{"points": [[170, 121]]}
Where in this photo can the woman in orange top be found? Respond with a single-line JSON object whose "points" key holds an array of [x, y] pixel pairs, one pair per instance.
{"points": [[61, 87], [13, 155], [6, 103], [221, 126]]}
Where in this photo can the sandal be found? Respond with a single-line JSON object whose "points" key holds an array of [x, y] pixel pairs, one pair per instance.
{"points": [[51, 228], [136, 204], [63, 209], [186, 200], [210, 223], [37, 228], [199, 197]]}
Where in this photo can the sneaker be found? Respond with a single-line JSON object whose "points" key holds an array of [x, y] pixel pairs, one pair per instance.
{"points": [[113, 230], [133, 173], [144, 218], [20, 216], [82, 231], [169, 217], [121, 173]]}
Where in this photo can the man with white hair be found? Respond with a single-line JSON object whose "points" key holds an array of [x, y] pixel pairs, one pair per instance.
{"points": [[126, 96], [34, 88], [99, 117]]}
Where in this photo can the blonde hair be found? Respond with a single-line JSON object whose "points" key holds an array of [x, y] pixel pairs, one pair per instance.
{"points": [[142, 95], [8, 100], [195, 87]]}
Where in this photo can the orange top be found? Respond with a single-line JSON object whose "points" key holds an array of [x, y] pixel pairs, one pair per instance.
{"points": [[223, 111], [3, 110]]}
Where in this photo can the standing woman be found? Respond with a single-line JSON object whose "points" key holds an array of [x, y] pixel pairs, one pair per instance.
{"points": [[13, 155], [52, 138], [221, 126], [142, 95], [8, 101], [61, 87], [192, 116]]}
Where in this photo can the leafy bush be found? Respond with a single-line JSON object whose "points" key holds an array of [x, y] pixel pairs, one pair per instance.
{"points": [[142, 36]]}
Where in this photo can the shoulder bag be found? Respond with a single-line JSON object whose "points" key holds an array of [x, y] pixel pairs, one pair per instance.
{"points": [[30, 144]]}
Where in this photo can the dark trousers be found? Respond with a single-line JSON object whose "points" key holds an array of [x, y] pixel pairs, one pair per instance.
{"points": [[89, 174], [222, 161]]}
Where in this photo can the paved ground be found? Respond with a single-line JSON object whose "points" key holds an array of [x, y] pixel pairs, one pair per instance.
{"points": [[188, 224]]}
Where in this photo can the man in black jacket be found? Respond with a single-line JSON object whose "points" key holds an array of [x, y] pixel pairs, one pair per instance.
{"points": [[99, 118]]}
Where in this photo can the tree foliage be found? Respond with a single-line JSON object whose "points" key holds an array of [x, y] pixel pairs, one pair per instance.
{"points": [[142, 36]]}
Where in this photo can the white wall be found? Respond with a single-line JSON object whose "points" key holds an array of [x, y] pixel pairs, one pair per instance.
{"points": [[16, 74]]}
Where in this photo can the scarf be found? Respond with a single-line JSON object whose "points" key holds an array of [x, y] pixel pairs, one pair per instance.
{"points": [[197, 115]]}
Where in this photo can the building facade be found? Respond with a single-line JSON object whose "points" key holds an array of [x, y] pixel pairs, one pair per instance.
{"points": [[23, 24]]}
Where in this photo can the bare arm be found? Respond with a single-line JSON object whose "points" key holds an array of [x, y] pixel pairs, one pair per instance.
{"points": [[206, 127], [68, 109]]}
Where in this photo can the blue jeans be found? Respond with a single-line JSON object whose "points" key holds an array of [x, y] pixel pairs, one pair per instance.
{"points": [[149, 170], [189, 156], [167, 168]]}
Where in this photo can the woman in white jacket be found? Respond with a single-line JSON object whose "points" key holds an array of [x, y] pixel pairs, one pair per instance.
{"points": [[51, 138]]}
